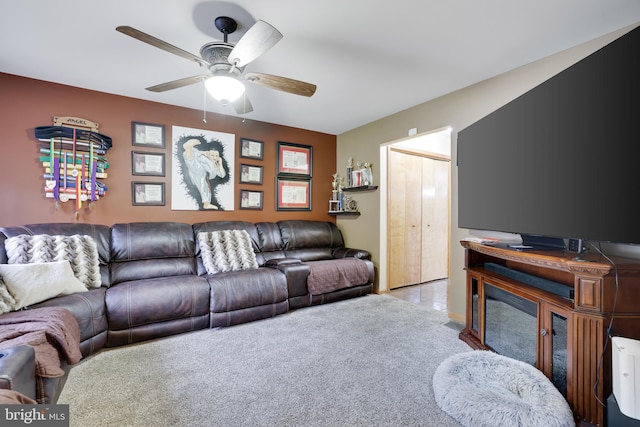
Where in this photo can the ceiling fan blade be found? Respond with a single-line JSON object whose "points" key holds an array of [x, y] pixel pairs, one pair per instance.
{"points": [[153, 41], [163, 87], [284, 84], [242, 105], [257, 40]]}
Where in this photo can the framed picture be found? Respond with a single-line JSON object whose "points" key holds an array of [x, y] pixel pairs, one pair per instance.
{"points": [[147, 135], [293, 194], [294, 159], [251, 149], [251, 199], [147, 193], [147, 163], [250, 174]]}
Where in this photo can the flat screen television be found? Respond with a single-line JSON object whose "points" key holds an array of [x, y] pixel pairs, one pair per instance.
{"points": [[563, 159]]}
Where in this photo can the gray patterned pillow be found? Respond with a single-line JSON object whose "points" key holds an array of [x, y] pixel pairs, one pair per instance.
{"points": [[80, 250], [226, 250]]}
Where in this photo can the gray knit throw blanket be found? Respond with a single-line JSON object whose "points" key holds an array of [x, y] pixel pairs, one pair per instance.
{"points": [[81, 252], [226, 250]]}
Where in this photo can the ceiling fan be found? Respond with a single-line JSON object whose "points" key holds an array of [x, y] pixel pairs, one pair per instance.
{"points": [[225, 63]]}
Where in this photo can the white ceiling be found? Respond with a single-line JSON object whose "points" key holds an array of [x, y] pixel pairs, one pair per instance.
{"points": [[368, 58]]}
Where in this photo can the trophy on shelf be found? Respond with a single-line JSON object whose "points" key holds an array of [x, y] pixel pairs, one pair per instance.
{"points": [[362, 176], [367, 175], [336, 194]]}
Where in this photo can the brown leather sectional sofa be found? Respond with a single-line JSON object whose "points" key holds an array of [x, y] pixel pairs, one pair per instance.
{"points": [[154, 283]]}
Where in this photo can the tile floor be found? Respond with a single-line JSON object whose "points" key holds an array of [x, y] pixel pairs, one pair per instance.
{"points": [[433, 294]]}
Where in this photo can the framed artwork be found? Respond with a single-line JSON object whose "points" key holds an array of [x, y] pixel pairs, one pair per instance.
{"points": [[147, 135], [294, 159], [143, 163], [293, 194], [203, 170], [251, 199], [251, 149], [250, 174], [147, 193]]}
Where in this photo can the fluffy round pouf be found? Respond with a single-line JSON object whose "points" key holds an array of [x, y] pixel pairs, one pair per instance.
{"points": [[482, 388]]}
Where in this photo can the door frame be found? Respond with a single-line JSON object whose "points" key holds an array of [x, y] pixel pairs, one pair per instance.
{"points": [[444, 136]]}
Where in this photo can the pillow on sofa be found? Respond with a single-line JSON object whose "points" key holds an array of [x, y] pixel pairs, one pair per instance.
{"points": [[36, 282], [80, 251], [7, 302], [226, 250]]}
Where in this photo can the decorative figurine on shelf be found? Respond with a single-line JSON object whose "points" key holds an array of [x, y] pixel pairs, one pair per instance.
{"points": [[349, 170], [345, 201], [350, 204]]}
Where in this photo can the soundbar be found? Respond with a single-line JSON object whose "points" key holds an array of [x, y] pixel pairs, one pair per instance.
{"points": [[555, 288]]}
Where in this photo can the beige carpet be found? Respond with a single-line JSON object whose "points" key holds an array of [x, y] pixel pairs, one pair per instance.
{"points": [[367, 361]]}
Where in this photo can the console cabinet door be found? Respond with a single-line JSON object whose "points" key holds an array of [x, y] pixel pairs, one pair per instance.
{"points": [[556, 338], [474, 305]]}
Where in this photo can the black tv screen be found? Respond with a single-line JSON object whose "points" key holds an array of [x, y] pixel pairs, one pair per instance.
{"points": [[562, 160]]}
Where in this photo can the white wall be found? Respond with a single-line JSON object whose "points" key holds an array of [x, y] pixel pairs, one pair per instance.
{"points": [[456, 110]]}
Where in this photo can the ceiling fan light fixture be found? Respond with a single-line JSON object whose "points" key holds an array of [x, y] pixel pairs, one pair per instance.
{"points": [[224, 88]]}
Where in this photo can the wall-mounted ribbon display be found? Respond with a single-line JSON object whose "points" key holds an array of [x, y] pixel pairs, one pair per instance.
{"points": [[73, 158]]}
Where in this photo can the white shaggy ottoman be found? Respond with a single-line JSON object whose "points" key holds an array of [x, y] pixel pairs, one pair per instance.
{"points": [[482, 388]]}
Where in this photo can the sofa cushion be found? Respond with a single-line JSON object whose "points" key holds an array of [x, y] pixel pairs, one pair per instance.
{"points": [[80, 250], [36, 282], [147, 250], [270, 241], [152, 301], [151, 240], [248, 295], [310, 240], [89, 310], [226, 250]]}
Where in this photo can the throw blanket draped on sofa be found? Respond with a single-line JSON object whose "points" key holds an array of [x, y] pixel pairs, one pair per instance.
{"points": [[51, 331], [330, 275], [11, 397]]}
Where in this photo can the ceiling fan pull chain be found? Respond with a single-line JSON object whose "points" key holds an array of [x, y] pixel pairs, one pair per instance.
{"points": [[244, 105], [204, 103]]}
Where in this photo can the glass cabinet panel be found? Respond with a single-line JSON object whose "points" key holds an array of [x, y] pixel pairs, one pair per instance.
{"points": [[511, 324], [559, 341], [475, 325]]}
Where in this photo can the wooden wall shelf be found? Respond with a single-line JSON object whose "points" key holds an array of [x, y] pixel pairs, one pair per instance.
{"points": [[344, 213], [361, 188]]}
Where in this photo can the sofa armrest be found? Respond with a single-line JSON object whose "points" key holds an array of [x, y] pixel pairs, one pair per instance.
{"points": [[18, 370], [351, 253], [296, 273], [280, 262]]}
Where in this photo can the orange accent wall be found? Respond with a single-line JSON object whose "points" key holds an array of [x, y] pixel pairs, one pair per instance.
{"points": [[26, 103]]}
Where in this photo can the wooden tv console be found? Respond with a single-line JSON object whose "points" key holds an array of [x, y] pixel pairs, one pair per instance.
{"points": [[596, 297]]}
